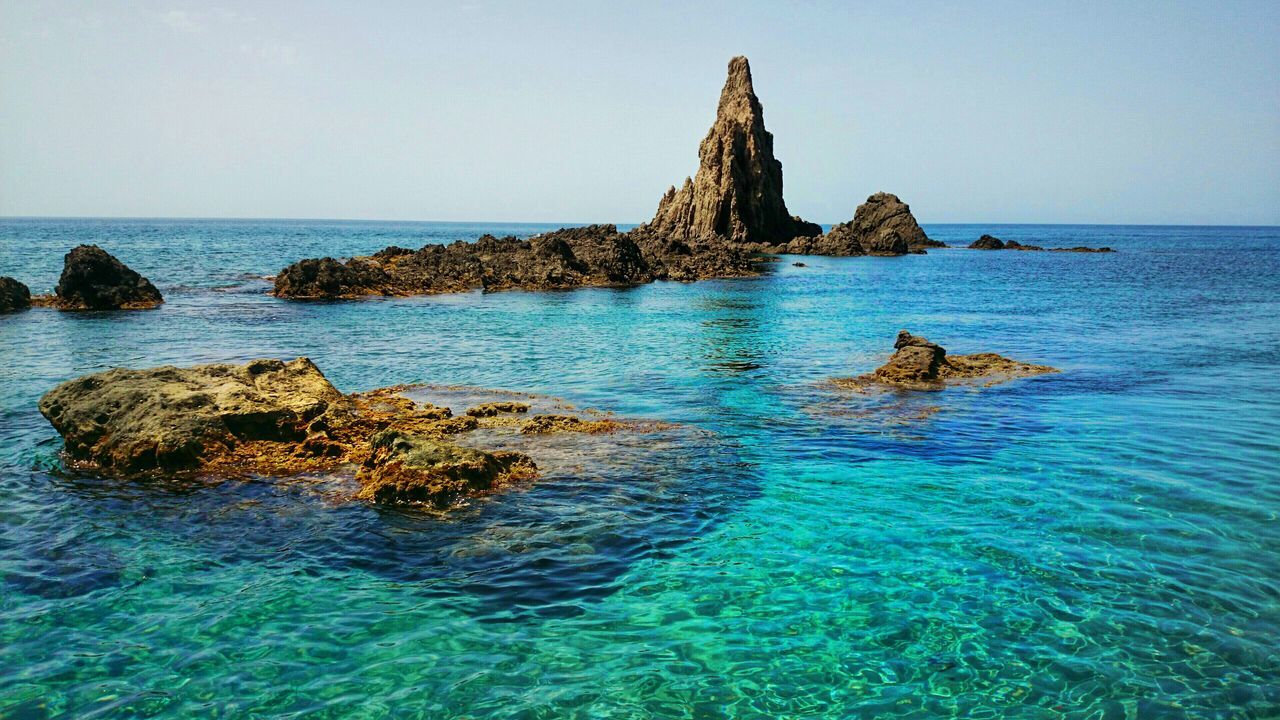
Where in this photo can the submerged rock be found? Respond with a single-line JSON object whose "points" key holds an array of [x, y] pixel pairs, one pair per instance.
{"points": [[540, 424], [737, 191], [92, 279], [918, 364], [407, 468], [13, 295], [495, 408]]}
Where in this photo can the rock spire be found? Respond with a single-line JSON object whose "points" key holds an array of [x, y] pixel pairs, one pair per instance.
{"points": [[737, 192]]}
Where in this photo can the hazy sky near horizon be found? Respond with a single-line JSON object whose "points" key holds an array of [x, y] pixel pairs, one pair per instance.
{"points": [[1157, 112]]}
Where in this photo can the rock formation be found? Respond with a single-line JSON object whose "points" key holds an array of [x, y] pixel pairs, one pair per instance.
{"points": [[94, 280], [408, 468], [737, 191], [596, 255], [918, 364], [13, 295], [879, 218], [270, 417], [988, 242]]}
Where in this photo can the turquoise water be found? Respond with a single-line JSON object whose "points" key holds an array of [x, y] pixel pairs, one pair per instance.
{"points": [[1101, 543]]}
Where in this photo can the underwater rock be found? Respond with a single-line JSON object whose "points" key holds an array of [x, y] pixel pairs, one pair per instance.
{"points": [[918, 364], [540, 424], [13, 295], [92, 279], [737, 191], [490, 409], [407, 468]]}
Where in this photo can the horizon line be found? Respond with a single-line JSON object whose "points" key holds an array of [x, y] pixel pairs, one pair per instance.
{"points": [[571, 224]]}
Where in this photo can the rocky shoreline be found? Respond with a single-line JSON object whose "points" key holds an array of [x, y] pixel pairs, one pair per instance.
{"points": [[275, 418]]}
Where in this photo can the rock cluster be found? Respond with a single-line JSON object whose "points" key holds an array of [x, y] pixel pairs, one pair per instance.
{"points": [[596, 255], [989, 242], [270, 417], [883, 225], [918, 364], [737, 191], [13, 295], [93, 279]]}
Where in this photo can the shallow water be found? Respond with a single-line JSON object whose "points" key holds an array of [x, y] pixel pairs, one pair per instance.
{"points": [[1096, 543]]}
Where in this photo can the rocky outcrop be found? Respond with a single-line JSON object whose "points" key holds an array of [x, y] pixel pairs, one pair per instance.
{"points": [[918, 364], [270, 417], [92, 279], [737, 191], [408, 468], [13, 295], [596, 255], [988, 242], [882, 216]]}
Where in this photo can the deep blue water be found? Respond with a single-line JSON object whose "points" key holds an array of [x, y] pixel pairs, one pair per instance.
{"points": [[1099, 543]]}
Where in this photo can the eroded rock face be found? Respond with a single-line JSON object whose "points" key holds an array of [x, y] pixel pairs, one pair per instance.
{"points": [[918, 364], [737, 191], [596, 255], [92, 279], [880, 217], [409, 468], [168, 418], [13, 295]]}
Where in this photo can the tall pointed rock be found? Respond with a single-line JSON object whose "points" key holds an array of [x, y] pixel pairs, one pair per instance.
{"points": [[737, 192]]}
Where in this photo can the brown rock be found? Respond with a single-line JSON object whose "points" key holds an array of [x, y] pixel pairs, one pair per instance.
{"points": [[987, 242], [13, 295], [881, 214], [94, 280], [918, 364], [407, 468], [496, 408], [541, 424], [737, 191]]}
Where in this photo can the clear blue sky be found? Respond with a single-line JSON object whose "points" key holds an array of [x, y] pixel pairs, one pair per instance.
{"points": [[1154, 112]]}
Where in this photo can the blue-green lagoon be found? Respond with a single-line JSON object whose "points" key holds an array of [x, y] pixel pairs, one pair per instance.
{"points": [[1099, 543]]}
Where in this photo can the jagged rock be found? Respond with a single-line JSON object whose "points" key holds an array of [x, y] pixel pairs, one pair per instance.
{"points": [[13, 295], [94, 280], [408, 468], [987, 242], [878, 216], [596, 255], [328, 278], [918, 364], [168, 418], [737, 191]]}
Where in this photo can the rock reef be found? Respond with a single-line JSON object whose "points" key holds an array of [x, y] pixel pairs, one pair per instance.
{"points": [[596, 255], [13, 295], [736, 193], [93, 279], [990, 242], [270, 417], [918, 364]]}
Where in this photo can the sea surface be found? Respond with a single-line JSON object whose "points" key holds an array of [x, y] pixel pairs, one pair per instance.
{"points": [[1099, 543]]}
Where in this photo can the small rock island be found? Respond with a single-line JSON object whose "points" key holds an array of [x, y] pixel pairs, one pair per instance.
{"points": [[715, 226], [93, 279], [918, 364], [275, 418]]}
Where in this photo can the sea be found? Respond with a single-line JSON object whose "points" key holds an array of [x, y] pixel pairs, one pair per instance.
{"points": [[1102, 542]]}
